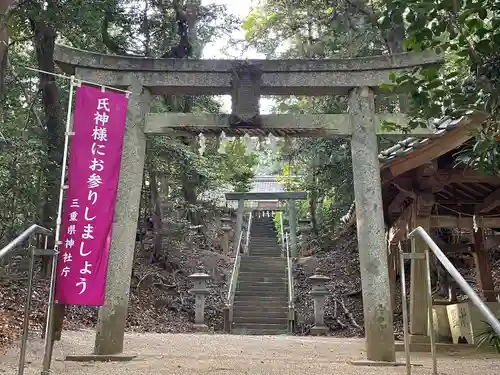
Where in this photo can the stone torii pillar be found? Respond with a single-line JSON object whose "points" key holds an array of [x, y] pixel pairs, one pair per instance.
{"points": [[370, 227], [112, 316]]}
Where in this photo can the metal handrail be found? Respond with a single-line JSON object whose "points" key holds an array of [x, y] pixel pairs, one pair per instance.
{"points": [[282, 232], [34, 229], [291, 304], [475, 299], [19, 240], [248, 232], [234, 275]]}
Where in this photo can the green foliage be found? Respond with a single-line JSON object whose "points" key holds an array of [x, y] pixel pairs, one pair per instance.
{"points": [[143, 27], [489, 337], [467, 34], [315, 29], [237, 166]]}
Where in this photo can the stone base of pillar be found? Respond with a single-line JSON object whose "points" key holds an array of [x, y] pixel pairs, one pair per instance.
{"points": [[319, 330], [419, 339], [200, 327], [378, 363], [100, 358]]}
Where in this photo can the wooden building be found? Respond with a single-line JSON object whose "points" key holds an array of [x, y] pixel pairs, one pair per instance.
{"points": [[423, 185]]}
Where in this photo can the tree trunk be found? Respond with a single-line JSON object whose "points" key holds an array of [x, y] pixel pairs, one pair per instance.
{"points": [[44, 41], [4, 44], [395, 43], [156, 210]]}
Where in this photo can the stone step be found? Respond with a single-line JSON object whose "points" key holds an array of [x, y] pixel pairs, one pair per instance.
{"points": [[261, 293], [259, 277], [269, 256], [271, 261], [265, 251], [263, 246], [263, 319], [262, 267], [259, 329], [251, 306], [259, 300], [243, 283], [260, 281], [255, 259], [277, 272], [275, 313], [272, 311], [244, 303], [269, 275], [266, 254]]}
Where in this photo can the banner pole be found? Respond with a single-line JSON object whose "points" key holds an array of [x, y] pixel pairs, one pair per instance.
{"points": [[48, 344]]}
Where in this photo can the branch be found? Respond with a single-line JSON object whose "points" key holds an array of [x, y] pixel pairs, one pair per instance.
{"points": [[349, 314], [25, 39], [30, 100], [10, 10]]}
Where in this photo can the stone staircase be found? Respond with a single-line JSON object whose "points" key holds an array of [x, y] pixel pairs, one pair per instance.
{"points": [[261, 299]]}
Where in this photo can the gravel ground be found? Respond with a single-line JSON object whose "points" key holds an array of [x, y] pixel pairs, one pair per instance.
{"points": [[183, 354]]}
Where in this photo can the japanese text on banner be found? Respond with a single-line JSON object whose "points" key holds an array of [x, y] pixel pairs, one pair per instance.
{"points": [[93, 174]]}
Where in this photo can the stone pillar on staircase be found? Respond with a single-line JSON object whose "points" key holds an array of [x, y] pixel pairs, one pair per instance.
{"points": [[199, 290], [292, 219], [319, 293], [239, 224]]}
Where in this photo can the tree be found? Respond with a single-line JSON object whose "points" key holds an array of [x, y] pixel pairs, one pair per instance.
{"points": [[467, 34], [319, 29]]}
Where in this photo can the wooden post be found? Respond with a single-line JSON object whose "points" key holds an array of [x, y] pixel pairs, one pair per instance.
{"points": [[418, 288], [392, 257], [482, 263]]}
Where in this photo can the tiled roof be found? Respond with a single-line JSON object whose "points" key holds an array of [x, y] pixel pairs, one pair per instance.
{"points": [[266, 184], [406, 146]]}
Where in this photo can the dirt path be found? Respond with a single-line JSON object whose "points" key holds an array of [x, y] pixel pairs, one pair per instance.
{"points": [[183, 354]]}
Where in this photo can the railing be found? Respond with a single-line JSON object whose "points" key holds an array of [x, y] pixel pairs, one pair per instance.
{"points": [[282, 234], [34, 229], [476, 300], [291, 303], [33, 252], [232, 287], [247, 249]]}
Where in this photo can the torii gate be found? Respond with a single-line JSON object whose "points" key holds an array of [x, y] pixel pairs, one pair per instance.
{"points": [[246, 80], [289, 196]]}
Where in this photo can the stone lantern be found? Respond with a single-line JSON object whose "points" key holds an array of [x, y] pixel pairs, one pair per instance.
{"points": [[199, 290], [319, 293]]}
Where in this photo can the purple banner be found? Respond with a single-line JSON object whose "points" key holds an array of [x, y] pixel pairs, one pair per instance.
{"points": [[93, 173]]}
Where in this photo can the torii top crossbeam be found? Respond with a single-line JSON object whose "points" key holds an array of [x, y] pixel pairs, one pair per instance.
{"points": [[246, 81]]}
